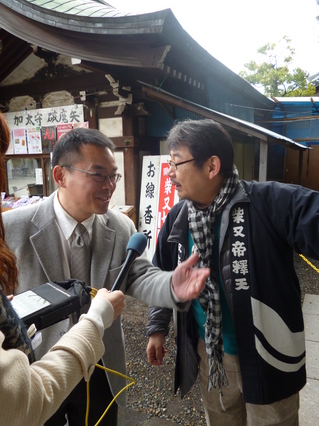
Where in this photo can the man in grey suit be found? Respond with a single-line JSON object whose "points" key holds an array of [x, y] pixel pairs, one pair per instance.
{"points": [[41, 236]]}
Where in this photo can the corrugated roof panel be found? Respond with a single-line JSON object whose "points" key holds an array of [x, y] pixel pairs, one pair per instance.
{"points": [[79, 8], [89, 16], [64, 8], [39, 2]]}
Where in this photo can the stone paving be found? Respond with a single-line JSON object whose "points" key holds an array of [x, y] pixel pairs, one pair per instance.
{"points": [[309, 396]]}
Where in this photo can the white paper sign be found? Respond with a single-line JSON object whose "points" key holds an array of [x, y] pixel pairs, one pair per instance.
{"points": [[38, 177], [34, 140], [19, 141], [149, 201], [45, 116]]}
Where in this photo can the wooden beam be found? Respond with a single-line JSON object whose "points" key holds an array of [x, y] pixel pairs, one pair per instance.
{"points": [[90, 82]]}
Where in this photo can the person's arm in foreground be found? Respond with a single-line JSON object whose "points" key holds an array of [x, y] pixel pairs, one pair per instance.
{"points": [[30, 394], [187, 284]]}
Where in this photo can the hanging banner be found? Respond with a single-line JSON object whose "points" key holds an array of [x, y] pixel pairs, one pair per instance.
{"points": [[149, 201], [84, 124], [61, 129], [34, 140], [167, 195], [19, 141], [48, 138], [45, 116]]}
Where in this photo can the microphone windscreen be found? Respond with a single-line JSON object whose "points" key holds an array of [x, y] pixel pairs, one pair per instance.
{"points": [[137, 242]]}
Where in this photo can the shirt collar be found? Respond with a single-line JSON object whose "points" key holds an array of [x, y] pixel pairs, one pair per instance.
{"points": [[66, 222]]}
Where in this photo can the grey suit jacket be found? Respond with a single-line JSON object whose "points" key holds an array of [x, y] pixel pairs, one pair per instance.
{"points": [[32, 235]]}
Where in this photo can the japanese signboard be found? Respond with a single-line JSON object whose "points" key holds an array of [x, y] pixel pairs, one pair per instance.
{"points": [[157, 197], [45, 116], [43, 127]]}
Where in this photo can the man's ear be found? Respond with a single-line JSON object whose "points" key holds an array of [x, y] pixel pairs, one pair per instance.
{"points": [[214, 166], [58, 176]]}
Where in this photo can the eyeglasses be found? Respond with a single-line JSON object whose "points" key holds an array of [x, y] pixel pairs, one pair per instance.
{"points": [[98, 177], [174, 165]]}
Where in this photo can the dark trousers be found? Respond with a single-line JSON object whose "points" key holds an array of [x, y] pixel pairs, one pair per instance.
{"points": [[75, 404]]}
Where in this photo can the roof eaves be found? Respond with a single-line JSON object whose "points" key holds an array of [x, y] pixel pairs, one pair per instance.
{"points": [[236, 123]]}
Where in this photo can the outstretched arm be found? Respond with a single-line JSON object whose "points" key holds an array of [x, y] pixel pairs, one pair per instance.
{"points": [[189, 282]]}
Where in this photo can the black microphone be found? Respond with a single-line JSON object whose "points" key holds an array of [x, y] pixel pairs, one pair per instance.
{"points": [[135, 247]]}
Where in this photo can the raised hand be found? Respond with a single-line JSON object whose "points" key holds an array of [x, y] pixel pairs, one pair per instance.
{"points": [[188, 282]]}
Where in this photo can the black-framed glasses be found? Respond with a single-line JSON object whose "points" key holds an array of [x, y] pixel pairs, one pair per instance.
{"points": [[98, 177], [174, 165]]}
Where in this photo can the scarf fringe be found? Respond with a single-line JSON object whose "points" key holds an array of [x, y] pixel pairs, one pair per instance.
{"points": [[217, 377], [217, 374]]}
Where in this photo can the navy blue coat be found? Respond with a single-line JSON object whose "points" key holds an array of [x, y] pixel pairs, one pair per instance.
{"points": [[280, 219]]}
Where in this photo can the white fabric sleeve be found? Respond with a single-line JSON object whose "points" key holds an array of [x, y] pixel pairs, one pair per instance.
{"points": [[101, 314]]}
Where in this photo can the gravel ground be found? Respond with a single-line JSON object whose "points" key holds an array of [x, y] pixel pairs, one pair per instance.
{"points": [[153, 392]]}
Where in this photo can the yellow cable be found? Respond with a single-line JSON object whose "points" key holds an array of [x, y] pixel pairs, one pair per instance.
{"points": [[93, 292], [309, 263], [132, 382]]}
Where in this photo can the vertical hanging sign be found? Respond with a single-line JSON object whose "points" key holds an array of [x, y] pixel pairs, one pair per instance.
{"points": [[158, 196], [149, 201], [19, 141], [34, 140], [166, 195], [48, 138]]}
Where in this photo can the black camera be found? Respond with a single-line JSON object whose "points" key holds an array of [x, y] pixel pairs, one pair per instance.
{"points": [[51, 302]]}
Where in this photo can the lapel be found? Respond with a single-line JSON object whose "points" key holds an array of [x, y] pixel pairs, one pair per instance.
{"points": [[103, 241], [47, 246], [46, 241]]}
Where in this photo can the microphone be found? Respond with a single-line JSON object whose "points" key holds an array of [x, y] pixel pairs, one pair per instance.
{"points": [[135, 247]]}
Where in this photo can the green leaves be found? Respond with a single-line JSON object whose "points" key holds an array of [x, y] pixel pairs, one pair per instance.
{"points": [[274, 76]]}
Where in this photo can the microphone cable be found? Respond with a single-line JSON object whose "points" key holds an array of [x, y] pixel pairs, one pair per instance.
{"points": [[132, 381]]}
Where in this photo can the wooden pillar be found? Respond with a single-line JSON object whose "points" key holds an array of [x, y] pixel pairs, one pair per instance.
{"points": [[263, 157], [300, 167]]}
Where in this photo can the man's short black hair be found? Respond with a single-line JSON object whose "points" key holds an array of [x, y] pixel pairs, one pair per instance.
{"points": [[203, 138], [68, 149]]}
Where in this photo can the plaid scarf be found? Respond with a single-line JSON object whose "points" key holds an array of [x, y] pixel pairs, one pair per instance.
{"points": [[201, 225]]}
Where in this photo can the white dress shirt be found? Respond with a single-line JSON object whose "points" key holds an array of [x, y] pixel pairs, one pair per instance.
{"points": [[66, 225]]}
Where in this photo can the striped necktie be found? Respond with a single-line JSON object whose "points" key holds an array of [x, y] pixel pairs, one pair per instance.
{"points": [[81, 255]]}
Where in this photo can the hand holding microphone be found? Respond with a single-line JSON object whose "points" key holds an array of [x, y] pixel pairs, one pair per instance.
{"points": [[135, 247], [116, 298], [187, 281]]}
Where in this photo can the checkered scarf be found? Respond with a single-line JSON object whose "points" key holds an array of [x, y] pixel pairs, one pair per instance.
{"points": [[201, 225]]}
